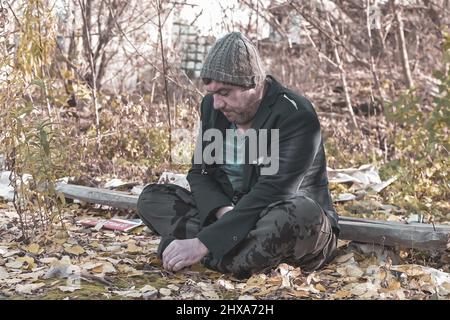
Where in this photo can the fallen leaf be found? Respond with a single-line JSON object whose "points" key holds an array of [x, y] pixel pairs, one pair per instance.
{"points": [[113, 261], [104, 267], [90, 265], [129, 293], [165, 291], [187, 295], [285, 274], [111, 248], [199, 268], [28, 262], [341, 294], [76, 250], [10, 253], [307, 288], [108, 267], [11, 281], [28, 288], [412, 270], [33, 248], [266, 291], [393, 217], [313, 278], [60, 237], [207, 290], [394, 284], [246, 297], [277, 280], [445, 289], [132, 248], [32, 275], [147, 288], [3, 273], [130, 271], [240, 286], [226, 284], [150, 295], [344, 258], [16, 264], [62, 269], [69, 288], [48, 260], [299, 293], [364, 290], [425, 278], [400, 294], [123, 237], [210, 294], [256, 281], [376, 272], [320, 287], [350, 270], [173, 287]]}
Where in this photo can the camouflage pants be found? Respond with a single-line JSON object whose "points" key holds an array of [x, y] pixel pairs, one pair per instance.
{"points": [[295, 231]]}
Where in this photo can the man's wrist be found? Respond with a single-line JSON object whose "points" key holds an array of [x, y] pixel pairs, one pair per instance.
{"points": [[203, 249]]}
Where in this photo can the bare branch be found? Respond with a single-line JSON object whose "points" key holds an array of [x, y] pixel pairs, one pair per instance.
{"points": [[402, 45], [165, 80], [93, 70]]}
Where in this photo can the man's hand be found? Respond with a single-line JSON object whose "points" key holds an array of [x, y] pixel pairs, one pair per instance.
{"points": [[183, 253], [221, 211]]}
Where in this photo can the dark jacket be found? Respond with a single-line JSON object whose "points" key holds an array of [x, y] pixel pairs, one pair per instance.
{"points": [[302, 170]]}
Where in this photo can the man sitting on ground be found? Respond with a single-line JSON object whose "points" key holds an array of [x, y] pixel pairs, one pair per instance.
{"points": [[244, 217]]}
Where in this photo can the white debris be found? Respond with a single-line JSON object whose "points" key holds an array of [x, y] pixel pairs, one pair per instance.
{"points": [[365, 178], [174, 178]]}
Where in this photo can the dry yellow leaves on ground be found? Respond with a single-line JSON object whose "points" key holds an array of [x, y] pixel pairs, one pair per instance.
{"points": [[76, 250]]}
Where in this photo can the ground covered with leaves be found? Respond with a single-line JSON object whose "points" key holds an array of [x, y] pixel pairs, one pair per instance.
{"points": [[90, 263]]}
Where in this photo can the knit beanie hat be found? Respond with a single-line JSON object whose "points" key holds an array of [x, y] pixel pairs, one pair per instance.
{"points": [[234, 59]]}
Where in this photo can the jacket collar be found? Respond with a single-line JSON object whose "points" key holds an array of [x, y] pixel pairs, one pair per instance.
{"points": [[264, 110]]}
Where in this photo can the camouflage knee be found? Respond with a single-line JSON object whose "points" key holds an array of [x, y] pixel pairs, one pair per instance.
{"points": [[286, 230], [169, 210]]}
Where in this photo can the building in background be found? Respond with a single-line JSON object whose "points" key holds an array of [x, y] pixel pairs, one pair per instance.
{"points": [[192, 47]]}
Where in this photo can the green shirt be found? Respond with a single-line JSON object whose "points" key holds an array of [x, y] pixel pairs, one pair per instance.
{"points": [[234, 148]]}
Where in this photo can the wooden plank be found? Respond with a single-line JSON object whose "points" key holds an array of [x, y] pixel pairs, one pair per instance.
{"points": [[388, 233], [418, 236], [116, 199]]}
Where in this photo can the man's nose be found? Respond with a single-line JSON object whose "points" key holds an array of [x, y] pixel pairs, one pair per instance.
{"points": [[218, 102]]}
